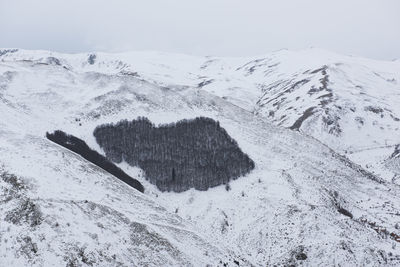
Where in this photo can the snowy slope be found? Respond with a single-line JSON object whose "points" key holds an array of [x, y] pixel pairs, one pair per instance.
{"points": [[303, 204], [64, 211], [350, 104]]}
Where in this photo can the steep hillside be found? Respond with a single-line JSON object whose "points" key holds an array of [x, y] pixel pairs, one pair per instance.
{"points": [[302, 204], [58, 209]]}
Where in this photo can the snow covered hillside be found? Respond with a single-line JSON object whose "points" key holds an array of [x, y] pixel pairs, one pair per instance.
{"points": [[350, 104], [311, 199]]}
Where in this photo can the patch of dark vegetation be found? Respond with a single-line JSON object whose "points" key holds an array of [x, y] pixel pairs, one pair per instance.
{"points": [[307, 113], [16, 183], [296, 255], [328, 120], [196, 153], [280, 97], [207, 63], [313, 90], [6, 51], [267, 89], [324, 81], [323, 69], [130, 73], [336, 203], [394, 117], [360, 120], [142, 236], [28, 248], [396, 152], [204, 83], [80, 147], [376, 110], [227, 187], [277, 104], [252, 69], [27, 211], [274, 65], [85, 257], [254, 64], [53, 61], [78, 255], [345, 212], [91, 59], [301, 256], [324, 86], [298, 84], [331, 122], [380, 230], [328, 95], [233, 261]]}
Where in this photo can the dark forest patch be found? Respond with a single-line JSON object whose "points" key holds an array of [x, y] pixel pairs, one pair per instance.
{"points": [[196, 153], [80, 147]]}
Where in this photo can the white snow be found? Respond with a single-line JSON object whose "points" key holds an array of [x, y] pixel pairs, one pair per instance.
{"points": [[287, 205]]}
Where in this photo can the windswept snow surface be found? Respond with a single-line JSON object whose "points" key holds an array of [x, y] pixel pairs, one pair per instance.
{"points": [[317, 125]]}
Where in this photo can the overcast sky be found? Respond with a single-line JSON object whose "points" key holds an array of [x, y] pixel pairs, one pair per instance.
{"points": [[369, 28]]}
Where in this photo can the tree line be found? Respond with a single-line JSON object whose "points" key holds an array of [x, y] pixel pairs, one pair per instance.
{"points": [[80, 147], [196, 153]]}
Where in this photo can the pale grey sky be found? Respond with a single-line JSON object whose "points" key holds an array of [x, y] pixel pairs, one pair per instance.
{"points": [[369, 28]]}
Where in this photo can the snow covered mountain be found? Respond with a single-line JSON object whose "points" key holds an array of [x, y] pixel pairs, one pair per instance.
{"points": [[315, 123]]}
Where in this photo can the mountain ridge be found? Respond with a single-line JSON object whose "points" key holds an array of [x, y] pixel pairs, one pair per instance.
{"points": [[303, 204]]}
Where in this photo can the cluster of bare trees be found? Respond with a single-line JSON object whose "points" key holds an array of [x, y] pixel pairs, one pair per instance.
{"points": [[195, 153]]}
